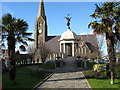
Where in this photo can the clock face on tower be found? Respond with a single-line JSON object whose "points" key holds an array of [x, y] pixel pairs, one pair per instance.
{"points": [[40, 31]]}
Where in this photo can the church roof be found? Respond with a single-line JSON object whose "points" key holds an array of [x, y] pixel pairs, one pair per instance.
{"points": [[53, 44], [68, 35], [89, 39]]}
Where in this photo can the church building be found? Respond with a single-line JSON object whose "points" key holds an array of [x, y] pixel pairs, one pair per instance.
{"points": [[69, 44]]}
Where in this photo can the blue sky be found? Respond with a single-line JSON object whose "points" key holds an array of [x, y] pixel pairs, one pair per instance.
{"points": [[55, 12]]}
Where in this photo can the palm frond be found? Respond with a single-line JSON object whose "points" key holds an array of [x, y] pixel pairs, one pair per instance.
{"points": [[27, 34], [30, 39], [92, 23], [25, 43], [2, 45], [20, 40], [8, 20], [18, 27], [21, 26], [4, 37], [98, 8], [108, 15], [95, 15]]}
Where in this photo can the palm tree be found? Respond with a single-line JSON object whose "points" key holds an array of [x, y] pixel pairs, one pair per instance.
{"points": [[14, 30], [107, 22]]}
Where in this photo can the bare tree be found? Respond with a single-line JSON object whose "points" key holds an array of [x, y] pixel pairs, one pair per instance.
{"points": [[31, 51], [43, 52], [117, 47], [101, 45]]}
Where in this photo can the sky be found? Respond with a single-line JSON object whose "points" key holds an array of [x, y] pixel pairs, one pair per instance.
{"points": [[55, 13]]}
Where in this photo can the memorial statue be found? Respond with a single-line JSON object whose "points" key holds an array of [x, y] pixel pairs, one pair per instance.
{"points": [[68, 20]]}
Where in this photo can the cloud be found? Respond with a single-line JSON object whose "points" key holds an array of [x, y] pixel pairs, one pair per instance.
{"points": [[91, 32], [84, 33]]}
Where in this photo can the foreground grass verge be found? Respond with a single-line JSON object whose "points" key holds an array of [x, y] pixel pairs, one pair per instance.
{"points": [[24, 79], [103, 83], [100, 81]]}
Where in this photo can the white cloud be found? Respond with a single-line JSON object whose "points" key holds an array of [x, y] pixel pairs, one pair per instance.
{"points": [[91, 32], [84, 33]]}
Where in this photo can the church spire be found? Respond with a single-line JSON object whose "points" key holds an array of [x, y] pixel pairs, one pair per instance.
{"points": [[41, 11]]}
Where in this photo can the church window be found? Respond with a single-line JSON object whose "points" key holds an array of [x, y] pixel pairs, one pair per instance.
{"points": [[39, 24], [83, 50]]}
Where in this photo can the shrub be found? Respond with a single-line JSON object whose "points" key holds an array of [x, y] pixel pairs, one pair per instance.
{"points": [[93, 74], [98, 67], [90, 65], [89, 74]]}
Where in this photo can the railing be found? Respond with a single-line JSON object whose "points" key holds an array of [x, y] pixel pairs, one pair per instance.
{"points": [[54, 56], [24, 62], [19, 63]]}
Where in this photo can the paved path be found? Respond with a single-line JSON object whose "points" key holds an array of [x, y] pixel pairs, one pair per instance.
{"points": [[66, 80], [57, 70]]}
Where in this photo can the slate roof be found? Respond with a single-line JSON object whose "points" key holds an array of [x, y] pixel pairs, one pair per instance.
{"points": [[23, 56], [90, 39], [53, 44]]}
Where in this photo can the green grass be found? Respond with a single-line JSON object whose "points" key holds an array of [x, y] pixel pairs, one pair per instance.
{"points": [[47, 66], [103, 83], [99, 83], [24, 79]]}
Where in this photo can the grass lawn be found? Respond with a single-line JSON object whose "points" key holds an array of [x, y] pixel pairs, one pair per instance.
{"points": [[24, 79], [101, 80], [47, 65], [103, 83]]}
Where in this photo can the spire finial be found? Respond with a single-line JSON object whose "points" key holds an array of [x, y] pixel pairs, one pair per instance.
{"points": [[68, 21], [41, 11]]}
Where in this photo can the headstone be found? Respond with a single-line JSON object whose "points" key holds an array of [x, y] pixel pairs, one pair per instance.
{"points": [[57, 64]]}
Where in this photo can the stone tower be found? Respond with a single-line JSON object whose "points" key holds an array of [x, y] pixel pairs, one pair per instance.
{"points": [[40, 32]]}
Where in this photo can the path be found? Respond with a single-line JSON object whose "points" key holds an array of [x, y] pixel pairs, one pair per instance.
{"points": [[66, 80]]}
